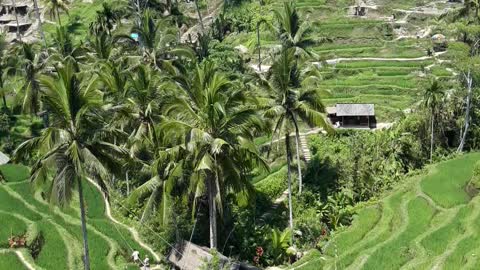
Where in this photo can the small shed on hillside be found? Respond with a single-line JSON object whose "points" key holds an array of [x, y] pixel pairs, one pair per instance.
{"points": [[4, 159], [188, 256], [354, 115], [439, 43]]}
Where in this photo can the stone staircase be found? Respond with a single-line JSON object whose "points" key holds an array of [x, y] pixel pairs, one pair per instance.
{"points": [[307, 157]]}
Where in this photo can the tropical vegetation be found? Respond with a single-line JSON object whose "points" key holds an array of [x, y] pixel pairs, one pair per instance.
{"points": [[144, 125]]}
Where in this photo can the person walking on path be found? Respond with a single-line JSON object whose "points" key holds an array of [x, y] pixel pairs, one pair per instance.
{"points": [[136, 257]]}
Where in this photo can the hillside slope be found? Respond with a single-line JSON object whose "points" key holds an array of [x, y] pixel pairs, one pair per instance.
{"points": [[379, 58], [430, 222], [57, 232]]}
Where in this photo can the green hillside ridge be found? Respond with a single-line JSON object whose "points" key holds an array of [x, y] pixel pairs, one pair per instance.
{"points": [[429, 221], [24, 212]]}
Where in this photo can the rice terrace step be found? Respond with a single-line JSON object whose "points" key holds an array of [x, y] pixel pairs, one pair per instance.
{"points": [[429, 222]]}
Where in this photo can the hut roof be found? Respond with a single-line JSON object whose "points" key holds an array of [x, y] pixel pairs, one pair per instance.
{"points": [[4, 159], [17, 4], [192, 256], [439, 38], [7, 18], [349, 109], [20, 24]]}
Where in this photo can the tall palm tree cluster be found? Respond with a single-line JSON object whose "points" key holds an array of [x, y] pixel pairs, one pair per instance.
{"points": [[116, 108]]}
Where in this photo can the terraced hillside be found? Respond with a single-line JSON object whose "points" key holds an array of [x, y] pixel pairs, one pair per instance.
{"points": [[372, 59], [53, 236], [431, 222]]}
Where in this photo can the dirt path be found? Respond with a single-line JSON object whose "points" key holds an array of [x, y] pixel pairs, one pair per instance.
{"points": [[20, 256], [352, 59], [207, 20], [134, 232]]}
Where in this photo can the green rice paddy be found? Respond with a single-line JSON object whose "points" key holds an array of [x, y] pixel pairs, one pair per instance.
{"points": [[24, 212], [393, 86], [430, 222]]}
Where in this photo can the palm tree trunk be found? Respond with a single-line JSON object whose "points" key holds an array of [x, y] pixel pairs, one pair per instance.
{"points": [[200, 17], [128, 183], [58, 17], [16, 19], [259, 48], [299, 167], [39, 19], [212, 211], [297, 144], [431, 137], [86, 260], [4, 101], [289, 176], [467, 112]]}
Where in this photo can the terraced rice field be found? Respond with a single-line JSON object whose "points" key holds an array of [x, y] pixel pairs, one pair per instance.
{"points": [[430, 222], [24, 212], [393, 86]]}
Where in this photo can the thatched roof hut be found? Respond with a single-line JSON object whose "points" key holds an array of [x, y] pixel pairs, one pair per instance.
{"points": [[348, 109], [439, 38], [188, 256]]}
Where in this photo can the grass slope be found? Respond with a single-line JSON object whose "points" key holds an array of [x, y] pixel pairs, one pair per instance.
{"points": [[25, 212], [430, 222]]}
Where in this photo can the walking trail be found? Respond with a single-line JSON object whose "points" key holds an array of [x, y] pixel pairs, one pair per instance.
{"points": [[20, 256], [134, 232], [207, 19]]}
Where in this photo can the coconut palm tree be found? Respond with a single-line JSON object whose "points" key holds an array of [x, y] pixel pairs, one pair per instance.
{"points": [[432, 98], [164, 165], [200, 19], [106, 18], [259, 45], [143, 104], [285, 102], [469, 7], [14, 4], [53, 8], [4, 69], [40, 25], [69, 149], [212, 120], [292, 32], [63, 45], [158, 42], [32, 64]]}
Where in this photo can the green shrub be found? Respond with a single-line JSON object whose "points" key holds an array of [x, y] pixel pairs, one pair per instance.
{"points": [[476, 176], [273, 185]]}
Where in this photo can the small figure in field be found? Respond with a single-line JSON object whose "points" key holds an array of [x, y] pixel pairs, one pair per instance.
{"points": [[136, 257], [429, 52], [146, 263]]}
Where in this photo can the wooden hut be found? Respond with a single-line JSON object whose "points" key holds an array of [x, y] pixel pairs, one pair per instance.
{"points": [[439, 43], [352, 115], [188, 256]]}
